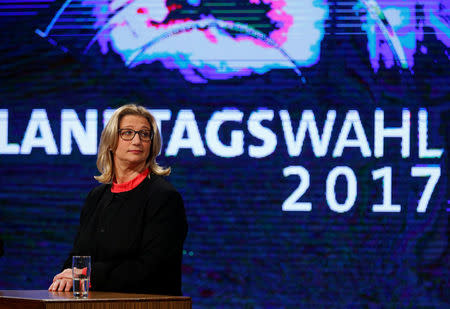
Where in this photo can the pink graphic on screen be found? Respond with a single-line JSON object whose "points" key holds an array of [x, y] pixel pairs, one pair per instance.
{"points": [[214, 46], [218, 40], [408, 21]]}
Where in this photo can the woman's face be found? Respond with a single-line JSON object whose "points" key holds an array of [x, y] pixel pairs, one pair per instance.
{"points": [[135, 152]]}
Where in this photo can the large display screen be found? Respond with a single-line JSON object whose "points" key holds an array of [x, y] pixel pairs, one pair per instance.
{"points": [[308, 139]]}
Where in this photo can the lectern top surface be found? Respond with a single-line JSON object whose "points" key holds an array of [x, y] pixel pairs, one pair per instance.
{"points": [[47, 296]]}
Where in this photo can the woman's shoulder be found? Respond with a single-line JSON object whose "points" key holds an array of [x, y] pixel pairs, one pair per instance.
{"points": [[91, 201], [98, 190], [159, 187], [163, 198], [160, 184]]}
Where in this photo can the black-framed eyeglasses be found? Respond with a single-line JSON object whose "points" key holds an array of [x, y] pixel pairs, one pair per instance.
{"points": [[129, 134]]}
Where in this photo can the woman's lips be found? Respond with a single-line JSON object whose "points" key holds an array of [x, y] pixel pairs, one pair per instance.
{"points": [[135, 151]]}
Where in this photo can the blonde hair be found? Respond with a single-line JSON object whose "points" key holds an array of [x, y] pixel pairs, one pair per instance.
{"points": [[110, 139]]}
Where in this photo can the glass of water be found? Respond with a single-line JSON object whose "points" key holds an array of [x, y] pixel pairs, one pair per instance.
{"points": [[81, 273]]}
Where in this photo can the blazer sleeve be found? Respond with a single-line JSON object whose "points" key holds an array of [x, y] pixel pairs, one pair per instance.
{"points": [[159, 257], [88, 206]]}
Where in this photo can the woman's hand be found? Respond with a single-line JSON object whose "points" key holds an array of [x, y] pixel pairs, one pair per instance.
{"points": [[62, 281]]}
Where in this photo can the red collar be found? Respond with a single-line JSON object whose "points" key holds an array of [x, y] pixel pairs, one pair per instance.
{"points": [[129, 185]]}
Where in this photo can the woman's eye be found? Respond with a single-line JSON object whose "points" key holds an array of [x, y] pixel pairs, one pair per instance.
{"points": [[145, 134], [128, 132]]}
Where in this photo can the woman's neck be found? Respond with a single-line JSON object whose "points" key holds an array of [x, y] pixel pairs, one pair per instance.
{"points": [[125, 174]]}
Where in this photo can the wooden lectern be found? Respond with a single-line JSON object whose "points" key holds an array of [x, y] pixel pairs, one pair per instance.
{"points": [[43, 299]]}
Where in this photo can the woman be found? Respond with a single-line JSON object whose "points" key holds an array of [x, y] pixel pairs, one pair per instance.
{"points": [[133, 225]]}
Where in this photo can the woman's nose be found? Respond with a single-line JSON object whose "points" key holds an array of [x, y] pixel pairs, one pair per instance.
{"points": [[136, 139]]}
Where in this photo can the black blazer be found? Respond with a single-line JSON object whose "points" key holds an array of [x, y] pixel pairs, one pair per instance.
{"points": [[135, 238]]}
